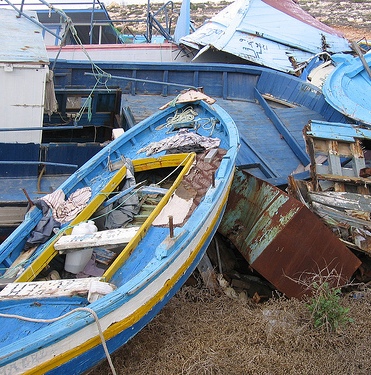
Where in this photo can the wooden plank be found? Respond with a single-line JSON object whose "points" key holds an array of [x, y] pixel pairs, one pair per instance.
{"points": [[12, 215], [210, 155], [91, 287], [279, 101], [335, 217], [109, 237], [18, 263], [343, 200], [343, 179]]}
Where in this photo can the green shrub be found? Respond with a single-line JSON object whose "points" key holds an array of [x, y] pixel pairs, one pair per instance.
{"points": [[325, 307]]}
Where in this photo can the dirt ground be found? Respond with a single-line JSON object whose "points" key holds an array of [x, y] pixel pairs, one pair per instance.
{"points": [[354, 33], [199, 332]]}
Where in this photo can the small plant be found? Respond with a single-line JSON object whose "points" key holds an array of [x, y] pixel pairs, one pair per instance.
{"points": [[326, 309], [323, 291]]}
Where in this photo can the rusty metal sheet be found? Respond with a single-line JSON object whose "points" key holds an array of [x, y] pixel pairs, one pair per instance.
{"points": [[280, 237]]}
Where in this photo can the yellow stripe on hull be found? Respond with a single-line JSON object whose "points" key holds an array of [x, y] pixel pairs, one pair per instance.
{"points": [[116, 328]]}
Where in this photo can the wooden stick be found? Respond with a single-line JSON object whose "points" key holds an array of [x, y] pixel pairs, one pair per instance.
{"points": [[28, 197]]}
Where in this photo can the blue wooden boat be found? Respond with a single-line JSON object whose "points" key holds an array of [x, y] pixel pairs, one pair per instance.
{"points": [[270, 110], [55, 323], [347, 88], [252, 32]]}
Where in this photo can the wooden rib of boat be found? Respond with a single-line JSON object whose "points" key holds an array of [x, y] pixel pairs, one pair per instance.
{"points": [[68, 325]]}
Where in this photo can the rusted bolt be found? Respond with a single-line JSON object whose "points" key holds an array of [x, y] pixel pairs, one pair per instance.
{"points": [[171, 226]]}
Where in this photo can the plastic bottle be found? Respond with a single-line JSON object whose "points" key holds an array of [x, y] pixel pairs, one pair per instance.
{"points": [[76, 260]]}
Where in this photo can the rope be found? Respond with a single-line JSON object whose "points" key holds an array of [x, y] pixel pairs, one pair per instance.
{"points": [[186, 115], [98, 73], [86, 309], [171, 173]]}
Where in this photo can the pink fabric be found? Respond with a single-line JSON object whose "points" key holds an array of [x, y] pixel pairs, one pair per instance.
{"points": [[66, 210]]}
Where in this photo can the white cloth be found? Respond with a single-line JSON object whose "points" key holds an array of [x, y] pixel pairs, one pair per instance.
{"points": [[182, 138], [66, 210]]}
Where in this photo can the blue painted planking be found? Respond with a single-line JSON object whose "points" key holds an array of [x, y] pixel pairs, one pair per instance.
{"points": [[69, 153], [347, 87], [265, 141], [238, 84], [19, 152], [241, 87]]}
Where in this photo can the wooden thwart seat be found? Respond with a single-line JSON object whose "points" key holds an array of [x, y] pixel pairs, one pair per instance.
{"points": [[105, 238], [91, 287]]}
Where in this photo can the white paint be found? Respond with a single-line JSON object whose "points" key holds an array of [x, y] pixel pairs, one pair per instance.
{"points": [[176, 207], [23, 70], [145, 52], [91, 286], [22, 102]]}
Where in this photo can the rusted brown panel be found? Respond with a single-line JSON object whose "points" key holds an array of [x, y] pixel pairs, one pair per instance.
{"points": [[279, 236], [304, 247]]}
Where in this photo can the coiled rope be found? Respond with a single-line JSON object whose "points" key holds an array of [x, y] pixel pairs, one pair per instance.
{"points": [[188, 116]]}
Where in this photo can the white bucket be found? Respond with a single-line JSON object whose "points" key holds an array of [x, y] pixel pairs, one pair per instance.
{"points": [[76, 260]]}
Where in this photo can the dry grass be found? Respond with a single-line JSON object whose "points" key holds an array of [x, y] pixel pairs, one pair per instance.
{"points": [[201, 333]]}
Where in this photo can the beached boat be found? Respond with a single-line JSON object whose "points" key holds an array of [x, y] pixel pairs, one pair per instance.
{"points": [[270, 110], [281, 238], [87, 103], [156, 211], [277, 34]]}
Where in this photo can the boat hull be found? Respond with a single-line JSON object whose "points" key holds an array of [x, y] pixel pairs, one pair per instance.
{"points": [[147, 271], [82, 350], [347, 87], [269, 108]]}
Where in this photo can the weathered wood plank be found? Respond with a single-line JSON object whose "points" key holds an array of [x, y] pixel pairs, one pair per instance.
{"points": [[342, 179], [109, 237], [343, 200], [91, 287]]}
